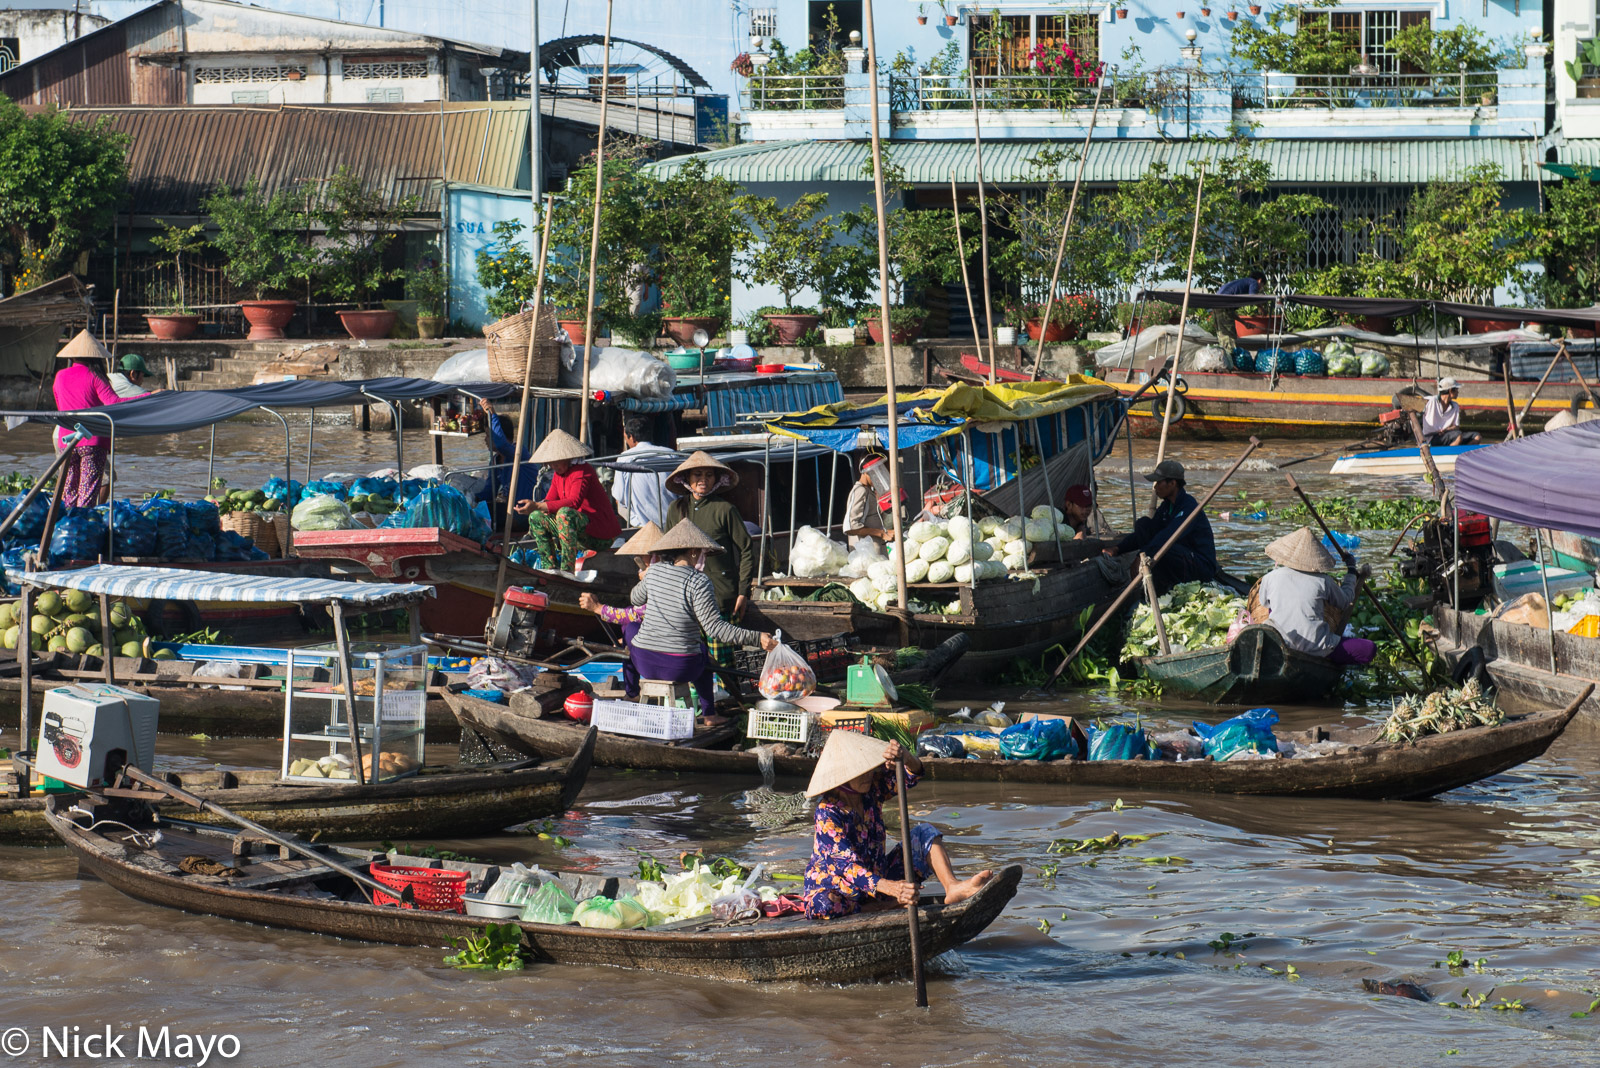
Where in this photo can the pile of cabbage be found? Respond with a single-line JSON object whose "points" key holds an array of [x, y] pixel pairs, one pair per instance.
{"points": [[960, 550], [1197, 615], [1343, 360], [688, 894]]}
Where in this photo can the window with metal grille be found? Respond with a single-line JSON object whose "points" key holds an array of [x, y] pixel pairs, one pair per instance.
{"points": [[385, 69], [287, 72], [764, 22], [1372, 31], [1000, 44], [9, 49], [1343, 232]]}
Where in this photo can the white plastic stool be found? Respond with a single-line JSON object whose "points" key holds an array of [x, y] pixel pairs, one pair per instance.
{"points": [[659, 692]]}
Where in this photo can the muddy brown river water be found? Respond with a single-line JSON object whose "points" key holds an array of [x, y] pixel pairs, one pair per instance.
{"points": [[1123, 961]]}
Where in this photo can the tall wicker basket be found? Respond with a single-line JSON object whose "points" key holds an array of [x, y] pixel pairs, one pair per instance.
{"points": [[508, 348], [257, 527]]}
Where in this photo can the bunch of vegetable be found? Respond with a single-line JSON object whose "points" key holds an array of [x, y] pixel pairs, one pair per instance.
{"points": [[1441, 711], [372, 504], [689, 893], [69, 622], [1342, 360], [243, 500], [1197, 615]]}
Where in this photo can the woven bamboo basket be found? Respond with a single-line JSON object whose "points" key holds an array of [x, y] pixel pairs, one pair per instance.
{"points": [[508, 348], [257, 528]]}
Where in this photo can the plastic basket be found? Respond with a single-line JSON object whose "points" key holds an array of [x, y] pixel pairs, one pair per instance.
{"points": [[488, 694], [433, 889], [861, 724], [643, 721], [780, 726], [1587, 627]]}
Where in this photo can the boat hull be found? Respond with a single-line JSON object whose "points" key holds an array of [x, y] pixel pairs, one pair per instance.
{"points": [[1256, 668], [1516, 657]]}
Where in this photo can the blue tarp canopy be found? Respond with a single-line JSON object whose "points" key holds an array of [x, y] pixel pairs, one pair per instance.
{"points": [[167, 412], [840, 427], [1544, 480], [178, 584]]}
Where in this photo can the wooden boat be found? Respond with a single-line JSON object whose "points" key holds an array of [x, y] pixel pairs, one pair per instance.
{"points": [[865, 946], [1516, 658], [438, 802], [1400, 462], [1256, 668], [1367, 768]]}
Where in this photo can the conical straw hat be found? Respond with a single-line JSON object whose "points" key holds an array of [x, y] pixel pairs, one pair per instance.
{"points": [[84, 347], [1302, 551], [685, 537], [698, 460], [846, 755], [559, 445], [643, 541]]}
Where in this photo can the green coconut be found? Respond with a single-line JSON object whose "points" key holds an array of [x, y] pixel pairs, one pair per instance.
{"points": [[40, 625], [78, 640], [78, 601], [163, 654], [120, 614], [8, 613], [13, 632], [124, 635], [57, 644], [36, 643], [49, 602], [95, 650], [134, 649]]}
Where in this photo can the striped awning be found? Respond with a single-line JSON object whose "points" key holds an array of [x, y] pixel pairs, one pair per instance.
{"points": [[179, 584]]}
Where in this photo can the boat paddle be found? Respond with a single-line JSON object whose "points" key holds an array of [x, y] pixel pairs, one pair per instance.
{"points": [[910, 870], [1138, 580], [294, 845], [1361, 584]]}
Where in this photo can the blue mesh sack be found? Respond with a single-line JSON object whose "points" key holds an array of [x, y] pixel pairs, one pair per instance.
{"points": [[30, 524], [202, 517], [366, 487], [289, 492], [1244, 360], [135, 531], [233, 546], [327, 487], [1268, 359], [1250, 730], [1119, 742], [202, 546], [78, 535], [1309, 362], [12, 560], [172, 527], [1037, 739], [444, 507]]}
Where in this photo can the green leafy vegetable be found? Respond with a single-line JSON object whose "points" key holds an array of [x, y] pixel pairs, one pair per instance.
{"points": [[496, 948]]}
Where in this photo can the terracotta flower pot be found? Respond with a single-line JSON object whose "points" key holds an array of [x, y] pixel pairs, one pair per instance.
{"points": [[431, 326], [1246, 325], [368, 323], [791, 328], [574, 329], [173, 327], [922, 20], [1580, 331], [1233, 16], [899, 335], [1255, 9], [1489, 326], [1058, 331], [1122, 12], [1205, 12], [681, 328], [1375, 324], [951, 20], [267, 318], [1180, 14]]}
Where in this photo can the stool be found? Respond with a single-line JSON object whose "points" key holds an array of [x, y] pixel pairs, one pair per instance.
{"points": [[659, 692]]}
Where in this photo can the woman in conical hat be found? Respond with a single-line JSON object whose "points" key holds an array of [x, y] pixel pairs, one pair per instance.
{"points": [[702, 479], [1303, 602], [640, 548], [576, 514], [79, 385], [850, 864]]}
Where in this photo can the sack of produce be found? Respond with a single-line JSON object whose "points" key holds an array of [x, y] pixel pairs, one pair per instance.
{"points": [[1119, 742], [78, 535], [410, 487], [202, 546], [321, 513], [1197, 616], [1244, 360], [328, 487], [598, 912], [742, 904], [786, 676], [287, 494], [1309, 362], [1374, 364], [135, 532], [368, 486], [550, 904], [172, 527], [1247, 732], [202, 517], [1038, 739], [1178, 745], [815, 554], [1269, 359], [444, 507], [30, 524], [941, 745]]}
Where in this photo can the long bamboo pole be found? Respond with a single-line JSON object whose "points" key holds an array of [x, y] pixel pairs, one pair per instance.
{"points": [[1061, 246], [594, 232], [961, 252], [902, 609], [1522, 416], [522, 413], [1183, 316], [983, 222]]}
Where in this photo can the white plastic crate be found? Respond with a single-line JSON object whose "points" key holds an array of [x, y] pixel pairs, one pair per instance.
{"points": [[780, 726], [643, 721]]}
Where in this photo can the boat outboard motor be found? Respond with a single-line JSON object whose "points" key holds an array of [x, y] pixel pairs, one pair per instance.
{"points": [[517, 627]]}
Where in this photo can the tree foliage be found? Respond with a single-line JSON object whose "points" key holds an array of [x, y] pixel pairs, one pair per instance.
{"points": [[261, 237], [359, 225], [1571, 235], [790, 246]]}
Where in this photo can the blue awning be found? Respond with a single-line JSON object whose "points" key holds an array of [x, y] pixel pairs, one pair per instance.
{"points": [[179, 584]]}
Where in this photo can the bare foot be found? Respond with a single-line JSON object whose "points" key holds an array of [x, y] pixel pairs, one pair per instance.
{"points": [[966, 887]]}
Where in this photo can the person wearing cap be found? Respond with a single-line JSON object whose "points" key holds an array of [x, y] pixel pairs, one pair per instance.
{"points": [[850, 864], [1193, 557], [642, 496], [1441, 418], [863, 521], [77, 386], [127, 381], [702, 480], [1301, 601], [1077, 504], [639, 547], [576, 513], [682, 606]]}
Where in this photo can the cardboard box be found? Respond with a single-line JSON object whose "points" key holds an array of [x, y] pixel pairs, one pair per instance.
{"points": [[86, 731]]}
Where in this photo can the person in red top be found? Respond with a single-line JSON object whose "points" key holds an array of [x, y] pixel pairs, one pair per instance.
{"points": [[576, 513], [82, 384]]}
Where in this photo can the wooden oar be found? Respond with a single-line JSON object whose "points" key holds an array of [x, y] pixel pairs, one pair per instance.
{"points": [[1328, 452], [911, 877], [1138, 580], [292, 844], [1361, 585]]}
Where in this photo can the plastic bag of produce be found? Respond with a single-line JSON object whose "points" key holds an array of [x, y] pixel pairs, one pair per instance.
{"points": [[633, 914], [444, 507], [786, 676], [328, 487], [78, 535], [1178, 745], [1375, 364], [368, 486], [202, 546], [289, 492], [1037, 739], [815, 554], [1119, 742], [135, 532], [861, 557], [941, 745], [1248, 731], [202, 517], [742, 904], [30, 524], [493, 673], [598, 912], [172, 527], [550, 904], [321, 513]]}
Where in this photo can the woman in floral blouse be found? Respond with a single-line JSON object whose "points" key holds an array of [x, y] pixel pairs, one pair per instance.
{"points": [[849, 862]]}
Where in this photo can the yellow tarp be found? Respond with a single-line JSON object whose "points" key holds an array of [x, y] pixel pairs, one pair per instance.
{"points": [[1011, 402]]}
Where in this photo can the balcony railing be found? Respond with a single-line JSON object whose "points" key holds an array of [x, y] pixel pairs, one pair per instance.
{"points": [[1022, 92], [794, 92], [1463, 89]]}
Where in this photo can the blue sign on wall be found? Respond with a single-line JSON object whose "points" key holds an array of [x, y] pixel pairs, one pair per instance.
{"points": [[474, 209]]}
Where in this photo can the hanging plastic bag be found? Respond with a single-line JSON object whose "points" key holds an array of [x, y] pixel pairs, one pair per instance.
{"points": [[1119, 742], [1037, 739], [1249, 731], [786, 676], [550, 904]]}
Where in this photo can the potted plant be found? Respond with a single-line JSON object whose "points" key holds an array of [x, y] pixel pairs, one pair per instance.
{"points": [[173, 321], [789, 248], [694, 227], [1122, 12], [426, 285], [1585, 70], [1205, 12], [261, 240], [358, 227], [1233, 16], [949, 19], [1248, 325], [1255, 9], [1070, 316], [1180, 14], [922, 14]]}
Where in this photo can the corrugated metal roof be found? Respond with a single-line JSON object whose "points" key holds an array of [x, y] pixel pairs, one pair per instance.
{"points": [[179, 155], [935, 162], [1580, 153]]}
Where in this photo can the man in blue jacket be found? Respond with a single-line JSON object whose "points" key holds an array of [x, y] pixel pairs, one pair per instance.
{"points": [[1193, 557]]}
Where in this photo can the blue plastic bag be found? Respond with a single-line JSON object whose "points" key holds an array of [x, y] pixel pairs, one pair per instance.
{"points": [[135, 531], [1349, 542], [1119, 742], [202, 546], [202, 517], [327, 487], [941, 745], [366, 487], [30, 525], [411, 487], [78, 535], [445, 507], [1037, 739], [290, 491], [1250, 730], [172, 527]]}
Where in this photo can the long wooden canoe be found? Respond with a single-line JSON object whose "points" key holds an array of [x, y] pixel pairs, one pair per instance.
{"points": [[1256, 668], [1365, 768], [865, 946], [435, 803]]}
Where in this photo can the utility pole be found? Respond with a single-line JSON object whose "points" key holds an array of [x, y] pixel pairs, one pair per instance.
{"points": [[535, 141]]}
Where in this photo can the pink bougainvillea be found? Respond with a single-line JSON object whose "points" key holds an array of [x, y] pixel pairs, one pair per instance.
{"points": [[1058, 59]]}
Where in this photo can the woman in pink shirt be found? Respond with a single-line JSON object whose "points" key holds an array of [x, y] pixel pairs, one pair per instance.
{"points": [[80, 385]]}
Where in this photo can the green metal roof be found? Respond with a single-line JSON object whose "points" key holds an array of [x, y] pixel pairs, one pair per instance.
{"points": [[1580, 153], [935, 162]]}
